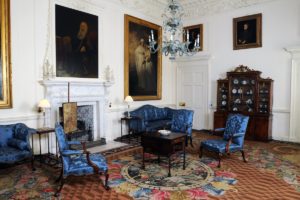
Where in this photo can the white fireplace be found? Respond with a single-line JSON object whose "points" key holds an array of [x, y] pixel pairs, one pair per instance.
{"points": [[84, 93]]}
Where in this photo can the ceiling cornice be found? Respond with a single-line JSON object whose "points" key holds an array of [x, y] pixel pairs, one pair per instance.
{"points": [[192, 8]]}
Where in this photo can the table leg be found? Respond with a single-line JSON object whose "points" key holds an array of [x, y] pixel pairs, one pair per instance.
{"points": [[183, 155], [169, 174], [32, 159], [121, 131], [40, 148], [48, 144], [143, 165], [56, 149]]}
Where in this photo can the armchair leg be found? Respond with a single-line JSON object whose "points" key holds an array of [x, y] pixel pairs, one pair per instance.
{"points": [[32, 164], [60, 176], [243, 154], [200, 151], [186, 141], [219, 157], [106, 180], [62, 182], [191, 141]]}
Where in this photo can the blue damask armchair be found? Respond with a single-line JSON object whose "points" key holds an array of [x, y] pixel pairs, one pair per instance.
{"points": [[233, 138], [78, 162], [14, 143], [182, 121]]}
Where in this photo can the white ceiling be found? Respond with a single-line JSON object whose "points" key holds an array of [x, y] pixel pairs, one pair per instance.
{"points": [[192, 8]]}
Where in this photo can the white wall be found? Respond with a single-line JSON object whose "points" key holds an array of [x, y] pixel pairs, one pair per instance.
{"points": [[280, 28], [30, 30]]}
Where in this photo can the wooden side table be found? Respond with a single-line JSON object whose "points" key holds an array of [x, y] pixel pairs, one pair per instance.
{"points": [[159, 145], [127, 120], [42, 131]]}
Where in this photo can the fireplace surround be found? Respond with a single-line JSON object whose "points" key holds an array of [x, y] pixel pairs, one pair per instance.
{"points": [[85, 93]]}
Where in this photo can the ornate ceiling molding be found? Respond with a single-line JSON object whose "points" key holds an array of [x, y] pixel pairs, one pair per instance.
{"points": [[193, 8]]}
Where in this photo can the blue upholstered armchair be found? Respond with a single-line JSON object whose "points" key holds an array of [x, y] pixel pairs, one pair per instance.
{"points": [[14, 143], [182, 121], [78, 162], [233, 138]]}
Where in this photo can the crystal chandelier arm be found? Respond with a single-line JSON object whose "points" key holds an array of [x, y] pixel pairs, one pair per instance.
{"points": [[173, 24]]}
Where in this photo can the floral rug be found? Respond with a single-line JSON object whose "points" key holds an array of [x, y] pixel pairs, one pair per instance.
{"points": [[197, 181], [277, 164], [20, 182]]}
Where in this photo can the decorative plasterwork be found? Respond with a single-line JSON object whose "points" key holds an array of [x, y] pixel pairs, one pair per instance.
{"points": [[193, 8]]}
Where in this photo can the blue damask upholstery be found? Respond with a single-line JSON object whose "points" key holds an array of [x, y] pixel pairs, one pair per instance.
{"points": [[14, 143], [233, 138], [182, 122], [75, 162], [151, 118]]}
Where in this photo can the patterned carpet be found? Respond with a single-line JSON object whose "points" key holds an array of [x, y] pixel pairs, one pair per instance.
{"points": [[272, 172], [197, 181]]}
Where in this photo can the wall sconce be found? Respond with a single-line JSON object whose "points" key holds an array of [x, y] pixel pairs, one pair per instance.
{"points": [[43, 105], [128, 100]]}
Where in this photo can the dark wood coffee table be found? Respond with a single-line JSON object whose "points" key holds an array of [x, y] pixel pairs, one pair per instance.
{"points": [[160, 145]]}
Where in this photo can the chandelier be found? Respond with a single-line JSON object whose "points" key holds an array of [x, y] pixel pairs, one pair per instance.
{"points": [[172, 26]]}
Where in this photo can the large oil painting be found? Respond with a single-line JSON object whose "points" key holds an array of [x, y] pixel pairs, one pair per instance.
{"points": [[5, 65], [247, 32], [142, 68], [76, 43]]}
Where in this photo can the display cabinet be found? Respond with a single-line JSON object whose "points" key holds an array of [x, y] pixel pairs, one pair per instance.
{"points": [[244, 91]]}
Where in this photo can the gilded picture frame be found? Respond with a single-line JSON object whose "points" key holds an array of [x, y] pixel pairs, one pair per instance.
{"points": [[193, 34], [5, 56], [247, 32], [142, 69]]}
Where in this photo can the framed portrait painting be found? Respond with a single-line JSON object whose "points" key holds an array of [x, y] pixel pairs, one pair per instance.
{"points": [[76, 43], [194, 31], [5, 64], [142, 73], [247, 32]]}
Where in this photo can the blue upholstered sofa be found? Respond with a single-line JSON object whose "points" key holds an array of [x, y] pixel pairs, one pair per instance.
{"points": [[14, 143], [152, 118]]}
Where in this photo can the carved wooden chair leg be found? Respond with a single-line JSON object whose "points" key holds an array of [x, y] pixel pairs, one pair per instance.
{"points": [[219, 157], [32, 164], [62, 182], [243, 154], [106, 180], [60, 176], [200, 151], [191, 141], [186, 140]]}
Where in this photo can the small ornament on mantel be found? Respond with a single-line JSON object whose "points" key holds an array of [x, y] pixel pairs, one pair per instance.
{"points": [[47, 70], [109, 75]]}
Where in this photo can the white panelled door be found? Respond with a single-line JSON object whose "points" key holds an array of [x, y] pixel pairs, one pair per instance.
{"points": [[192, 89]]}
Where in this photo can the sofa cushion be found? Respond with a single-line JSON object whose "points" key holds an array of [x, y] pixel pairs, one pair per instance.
{"points": [[6, 132], [16, 143], [11, 155], [21, 131]]}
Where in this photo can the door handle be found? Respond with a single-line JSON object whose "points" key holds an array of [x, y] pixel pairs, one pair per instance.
{"points": [[182, 103]]}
